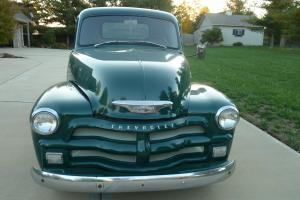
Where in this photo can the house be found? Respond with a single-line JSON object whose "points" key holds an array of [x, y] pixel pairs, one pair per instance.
{"points": [[21, 31], [235, 28]]}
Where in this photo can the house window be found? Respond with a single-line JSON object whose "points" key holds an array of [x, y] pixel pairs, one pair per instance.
{"points": [[238, 32]]}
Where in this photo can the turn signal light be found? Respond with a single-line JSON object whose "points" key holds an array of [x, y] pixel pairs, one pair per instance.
{"points": [[220, 151], [54, 158]]}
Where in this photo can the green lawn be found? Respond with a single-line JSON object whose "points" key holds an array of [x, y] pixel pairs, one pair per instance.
{"points": [[264, 83]]}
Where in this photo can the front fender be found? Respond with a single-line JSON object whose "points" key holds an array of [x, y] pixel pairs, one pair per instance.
{"points": [[204, 99], [66, 99], [69, 103]]}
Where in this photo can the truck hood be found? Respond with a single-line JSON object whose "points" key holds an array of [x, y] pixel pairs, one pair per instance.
{"points": [[109, 74]]}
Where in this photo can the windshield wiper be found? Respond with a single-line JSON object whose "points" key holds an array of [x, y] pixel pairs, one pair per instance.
{"points": [[149, 44], [112, 42], [130, 42]]}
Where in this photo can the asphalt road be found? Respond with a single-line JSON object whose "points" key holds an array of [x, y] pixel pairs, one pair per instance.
{"points": [[266, 168]]}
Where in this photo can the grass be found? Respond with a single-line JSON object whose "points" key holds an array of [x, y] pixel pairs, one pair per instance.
{"points": [[264, 83]]}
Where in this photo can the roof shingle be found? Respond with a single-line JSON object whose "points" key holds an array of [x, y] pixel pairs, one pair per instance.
{"points": [[20, 17], [229, 20]]}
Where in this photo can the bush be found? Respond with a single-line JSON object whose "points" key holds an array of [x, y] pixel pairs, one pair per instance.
{"points": [[212, 36], [59, 45], [238, 44], [49, 37]]}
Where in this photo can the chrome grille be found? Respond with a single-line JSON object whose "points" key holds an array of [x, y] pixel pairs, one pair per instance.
{"points": [[131, 136], [164, 156], [120, 150], [94, 153], [161, 135], [109, 134]]}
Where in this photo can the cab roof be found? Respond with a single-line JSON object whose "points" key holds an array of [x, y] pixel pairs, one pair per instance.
{"points": [[142, 12]]}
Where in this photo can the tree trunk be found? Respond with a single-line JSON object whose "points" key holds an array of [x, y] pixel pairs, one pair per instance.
{"points": [[282, 41], [272, 41]]}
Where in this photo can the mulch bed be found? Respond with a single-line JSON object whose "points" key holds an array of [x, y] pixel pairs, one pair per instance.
{"points": [[7, 55]]}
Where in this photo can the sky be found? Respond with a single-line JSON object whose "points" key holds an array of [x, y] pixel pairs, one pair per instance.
{"points": [[216, 6]]}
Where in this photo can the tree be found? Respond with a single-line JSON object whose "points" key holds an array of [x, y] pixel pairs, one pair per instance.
{"points": [[184, 15], [212, 36], [65, 11], [49, 37], [8, 10], [278, 20], [238, 7], [294, 28], [165, 5], [59, 11], [36, 8], [104, 3], [199, 17]]}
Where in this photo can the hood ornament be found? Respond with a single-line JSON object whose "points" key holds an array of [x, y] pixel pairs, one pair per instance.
{"points": [[143, 107]]}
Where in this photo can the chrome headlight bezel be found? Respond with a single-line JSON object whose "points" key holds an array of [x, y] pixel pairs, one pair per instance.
{"points": [[226, 108], [49, 111]]}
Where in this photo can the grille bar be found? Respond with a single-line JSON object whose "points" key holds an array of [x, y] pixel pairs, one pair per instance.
{"points": [[178, 143], [94, 153], [176, 132], [165, 156], [95, 132], [131, 136]]}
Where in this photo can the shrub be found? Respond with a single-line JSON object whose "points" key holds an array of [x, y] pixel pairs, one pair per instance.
{"points": [[49, 37], [238, 44], [212, 36], [59, 45]]}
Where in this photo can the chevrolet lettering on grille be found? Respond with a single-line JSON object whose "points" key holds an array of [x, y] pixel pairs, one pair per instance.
{"points": [[143, 127]]}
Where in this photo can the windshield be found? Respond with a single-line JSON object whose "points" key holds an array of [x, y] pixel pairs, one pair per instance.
{"points": [[95, 30]]}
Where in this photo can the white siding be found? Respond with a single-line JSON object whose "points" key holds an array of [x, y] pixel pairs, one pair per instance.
{"points": [[251, 37], [206, 24], [18, 40]]}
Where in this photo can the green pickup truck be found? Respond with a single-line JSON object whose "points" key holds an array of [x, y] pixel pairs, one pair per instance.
{"points": [[128, 117]]}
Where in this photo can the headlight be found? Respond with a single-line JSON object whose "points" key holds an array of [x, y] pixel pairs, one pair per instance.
{"points": [[227, 117], [44, 121]]}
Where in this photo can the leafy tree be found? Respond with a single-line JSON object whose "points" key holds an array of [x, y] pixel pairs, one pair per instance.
{"points": [[59, 11], [278, 20], [294, 28], [36, 8], [8, 10], [183, 14], [212, 36], [65, 11], [49, 37], [199, 17], [104, 3], [238, 7], [165, 5]]}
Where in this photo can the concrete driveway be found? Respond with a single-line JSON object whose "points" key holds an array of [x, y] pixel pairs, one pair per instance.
{"points": [[266, 168]]}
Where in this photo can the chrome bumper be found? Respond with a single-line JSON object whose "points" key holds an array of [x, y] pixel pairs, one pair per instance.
{"points": [[132, 183]]}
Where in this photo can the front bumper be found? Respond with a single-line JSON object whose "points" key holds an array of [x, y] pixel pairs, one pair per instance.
{"points": [[132, 183]]}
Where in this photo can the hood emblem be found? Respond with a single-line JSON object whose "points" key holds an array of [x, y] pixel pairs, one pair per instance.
{"points": [[143, 107]]}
